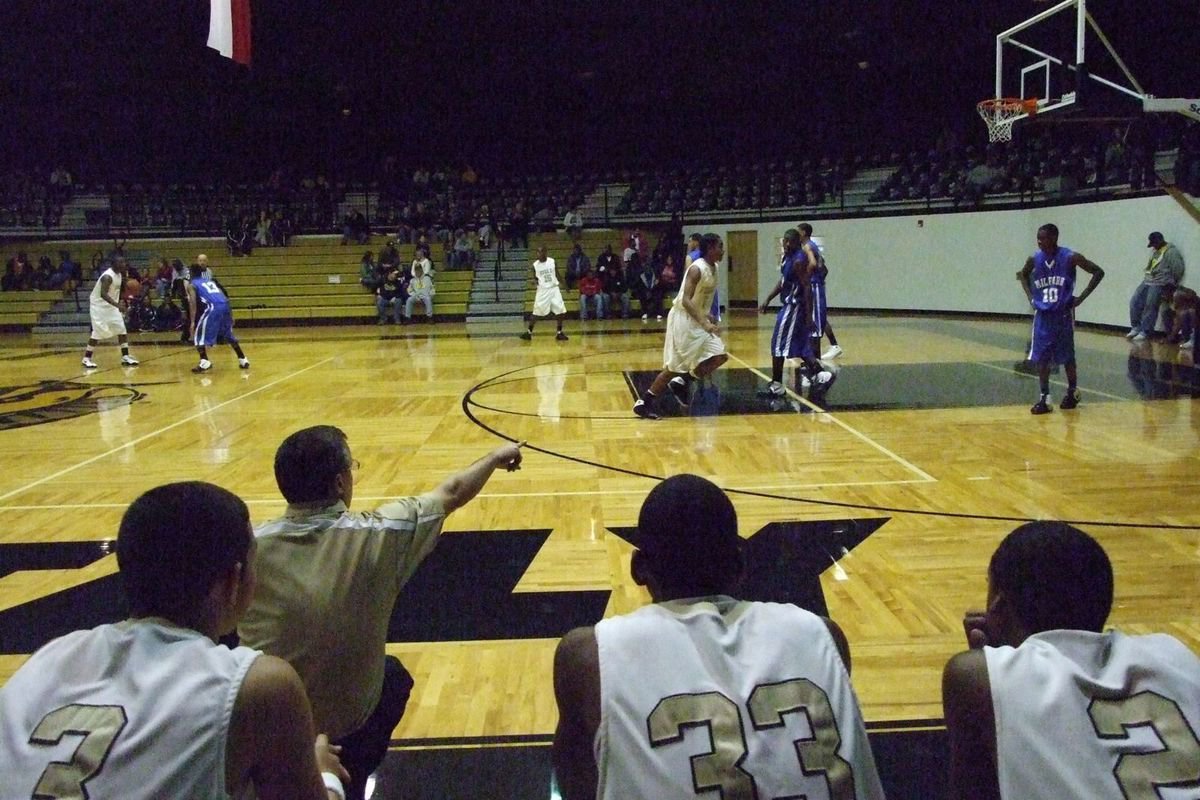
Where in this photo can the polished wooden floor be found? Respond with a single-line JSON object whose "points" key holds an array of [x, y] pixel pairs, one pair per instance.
{"points": [[928, 431]]}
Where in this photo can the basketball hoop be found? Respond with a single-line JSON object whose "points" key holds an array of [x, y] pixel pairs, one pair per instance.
{"points": [[1001, 112]]}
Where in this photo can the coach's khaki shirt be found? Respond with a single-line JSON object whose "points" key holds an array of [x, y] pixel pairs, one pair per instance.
{"points": [[327, 581]]}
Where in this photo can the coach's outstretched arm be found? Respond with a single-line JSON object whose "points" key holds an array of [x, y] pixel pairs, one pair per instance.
{"points": [[459, 489]]}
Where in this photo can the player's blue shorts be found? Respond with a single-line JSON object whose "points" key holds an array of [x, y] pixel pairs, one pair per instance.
{"points": [[215, 322], [818, 312], [1053, 337], [790, 339]]}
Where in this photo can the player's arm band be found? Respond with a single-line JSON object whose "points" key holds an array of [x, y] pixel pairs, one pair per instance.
{"points": [[334, 784]]}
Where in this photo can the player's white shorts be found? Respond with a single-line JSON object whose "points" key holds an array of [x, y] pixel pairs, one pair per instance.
{"points": [[107, 323], [548, 301], [688, 345]]}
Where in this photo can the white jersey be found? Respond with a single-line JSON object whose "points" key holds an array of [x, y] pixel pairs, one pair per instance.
{"points": [[547, 275], [114, 291], [739, 699], [702, 298], [139, 709], [1096, 716]]}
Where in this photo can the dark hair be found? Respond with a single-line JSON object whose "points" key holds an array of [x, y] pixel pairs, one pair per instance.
{"points": [[707, 242], [195, 270], [805, 228], [175, 542], [687, 528], [1050, 228], [695, 237], [308, 461], [791, 235], [1056, 577]]}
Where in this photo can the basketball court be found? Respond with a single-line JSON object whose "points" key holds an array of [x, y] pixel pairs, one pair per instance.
{"points": [[880, 504]]}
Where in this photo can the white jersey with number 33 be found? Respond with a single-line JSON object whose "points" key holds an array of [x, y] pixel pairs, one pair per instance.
{"points": [[136, 709], [721, 698], [1102, 716]]}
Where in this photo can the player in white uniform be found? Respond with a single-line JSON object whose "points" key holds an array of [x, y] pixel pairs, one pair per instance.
{"points": [[153, 707], [692, 347], [1048, 706], [549, 299], [107, 312], [700, 694]]}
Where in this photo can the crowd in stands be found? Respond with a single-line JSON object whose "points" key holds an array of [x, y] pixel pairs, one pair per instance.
{"points": [[608, 286], [397, 288]]}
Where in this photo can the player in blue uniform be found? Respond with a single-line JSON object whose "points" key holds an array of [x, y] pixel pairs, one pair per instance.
{"points": [[1048, 279], [214, 322], [791, 337], [817, 271]]}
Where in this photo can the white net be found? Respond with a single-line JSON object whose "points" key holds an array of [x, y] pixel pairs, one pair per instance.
{"points": [[1000, 114]]}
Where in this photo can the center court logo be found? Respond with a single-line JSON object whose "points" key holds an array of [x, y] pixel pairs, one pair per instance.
{"points": [[51, 401]]}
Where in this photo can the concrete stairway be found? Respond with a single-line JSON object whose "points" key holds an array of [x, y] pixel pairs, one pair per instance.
{"points": [[503, 298]]}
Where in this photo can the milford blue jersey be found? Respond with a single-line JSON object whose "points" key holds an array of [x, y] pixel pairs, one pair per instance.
{"points": [[790, 277], [1052, 281], [209, 293]]}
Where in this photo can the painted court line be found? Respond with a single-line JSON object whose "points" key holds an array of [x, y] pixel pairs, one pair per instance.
{"points": [[152, 434], [1054, 381], [506, 495], [925, 476]]}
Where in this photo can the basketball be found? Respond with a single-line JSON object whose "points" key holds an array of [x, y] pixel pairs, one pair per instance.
{"points": [[133, 289]]}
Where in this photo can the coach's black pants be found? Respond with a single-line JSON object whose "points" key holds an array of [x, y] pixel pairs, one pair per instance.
{"points": [[363, 750]]}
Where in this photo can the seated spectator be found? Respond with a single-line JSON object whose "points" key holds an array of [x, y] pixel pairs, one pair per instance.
{"points": [[573, 224], [420, 287], [628, 687], [462, 256], [153, 706], [591, 295], [390, 296], [368, 273], [1183, 303], [43, 275], [306, 559], [262, 231], [649, 291], [168, 316], [1165, 268], [577, 265], [281, 230], [163, 278], [389, 256], [235, 238], [669, 276], [1046, 704], [67, 275], [140, 314], [421, 260], [616, 291]]}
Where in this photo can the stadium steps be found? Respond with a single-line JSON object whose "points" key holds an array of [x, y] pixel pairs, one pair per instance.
{"points": [[492, 299]]}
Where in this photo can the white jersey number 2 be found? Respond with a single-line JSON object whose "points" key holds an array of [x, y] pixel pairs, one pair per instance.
{"points": [[721, 768], [99, 727], [1140, 774]]}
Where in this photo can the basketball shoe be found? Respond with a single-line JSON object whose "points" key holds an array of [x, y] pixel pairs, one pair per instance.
{"points": [[643, 409], [204, 366], [562, 337], [89, 364], [679, 390], [244, 363], [1070, 400], [129, 361], [1040, 407], [832, 352]]}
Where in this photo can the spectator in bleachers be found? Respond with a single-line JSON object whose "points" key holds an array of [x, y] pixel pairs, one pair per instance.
{"points": [[577, 265], [649, 291], [163, 278], [573, 224], [168, 316], [1164, 269], [420, 287], [262, 231], [43, 275], [68, 274], [390, 296], [389, 256], [669, 275], [462, 256], [606, 260], [368, 272], [591, 295], [518, 226], [235, 238], [616, 288], [140, 314], [281, 230], [421, 261]]}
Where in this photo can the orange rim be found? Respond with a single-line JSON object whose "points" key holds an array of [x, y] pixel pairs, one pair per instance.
{"points": [[1009, 104]]}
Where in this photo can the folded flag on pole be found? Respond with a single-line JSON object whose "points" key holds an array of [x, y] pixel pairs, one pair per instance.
{"points": [[229, 29]]}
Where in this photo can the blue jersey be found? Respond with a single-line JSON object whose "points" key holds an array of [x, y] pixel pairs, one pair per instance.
{"points": [[791, 278], [209, 293], [1052, 281]]}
